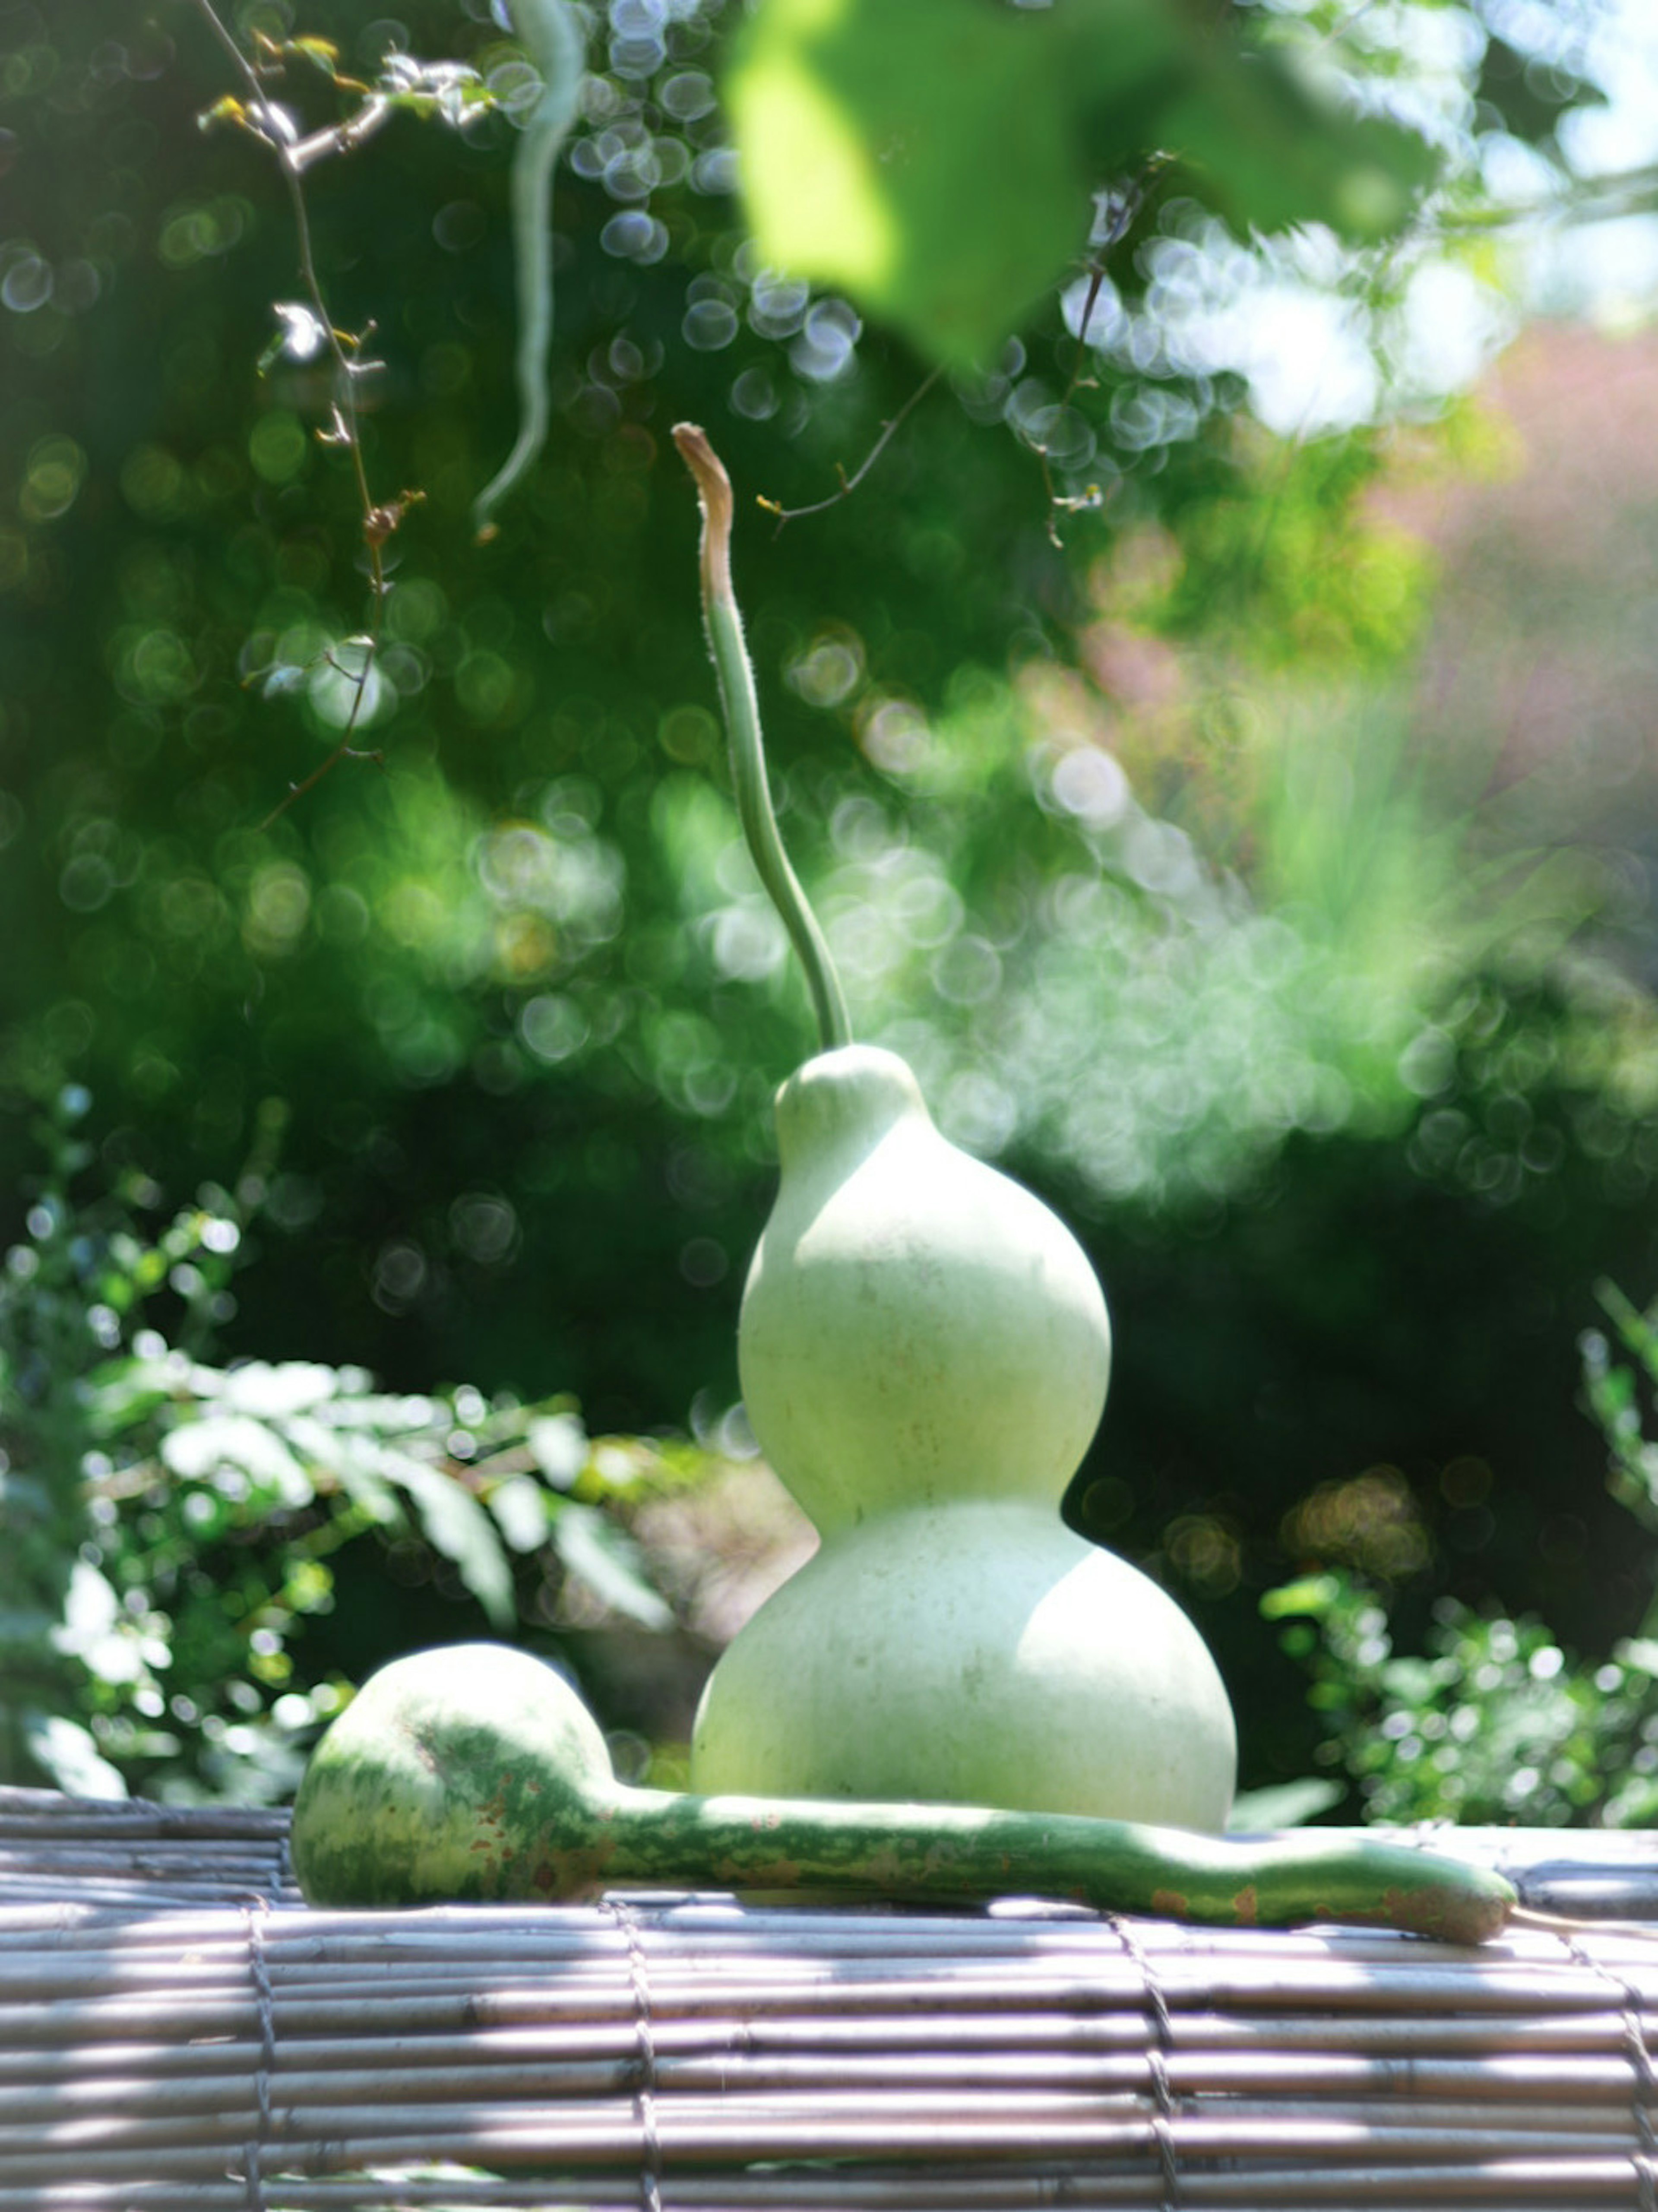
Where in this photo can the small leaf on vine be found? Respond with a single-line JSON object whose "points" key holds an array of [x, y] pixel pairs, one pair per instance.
{"points": [[450, 90], [228, 109], [325, 55]]}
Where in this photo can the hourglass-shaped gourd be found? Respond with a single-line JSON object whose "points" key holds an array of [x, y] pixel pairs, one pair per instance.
{"points": [[924, 1352]]}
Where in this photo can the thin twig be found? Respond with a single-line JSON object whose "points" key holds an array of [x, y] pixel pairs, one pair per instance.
{"points": [[341, 138], [1118, 225], [1096, 280], [293, 160], [344, 750], [850, 483]]}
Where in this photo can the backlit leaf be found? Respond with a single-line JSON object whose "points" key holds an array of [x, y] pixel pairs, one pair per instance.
{"points": [[937, 161]]}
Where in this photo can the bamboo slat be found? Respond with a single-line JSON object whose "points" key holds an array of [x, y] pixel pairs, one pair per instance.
{"points": [[178, 2030]]}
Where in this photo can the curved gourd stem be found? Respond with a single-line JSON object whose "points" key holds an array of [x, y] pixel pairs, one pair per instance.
{"points": [[551, 33], [742, 709], [1116, 1866]]}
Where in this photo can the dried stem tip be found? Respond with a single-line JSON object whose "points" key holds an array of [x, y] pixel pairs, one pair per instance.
{"points": [[714, 489]]}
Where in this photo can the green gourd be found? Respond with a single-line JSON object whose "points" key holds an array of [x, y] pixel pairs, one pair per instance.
{"points": [[924, 1352], [476, 1774]]}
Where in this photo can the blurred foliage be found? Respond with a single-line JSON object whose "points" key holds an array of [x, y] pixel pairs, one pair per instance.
{"points": [[1613, 1394], [1496, 1722], [172, 1526], [1118, 838]]}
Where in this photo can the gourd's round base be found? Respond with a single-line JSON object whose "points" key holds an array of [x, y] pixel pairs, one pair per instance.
{"points": [[981, 1654]]}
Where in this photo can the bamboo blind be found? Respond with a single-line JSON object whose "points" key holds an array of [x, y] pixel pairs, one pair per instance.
{"points": [[178, 2030]]}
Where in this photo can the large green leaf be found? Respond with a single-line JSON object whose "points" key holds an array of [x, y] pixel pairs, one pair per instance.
{"points": [[937, 159], [921, 155], [1273, 150]]}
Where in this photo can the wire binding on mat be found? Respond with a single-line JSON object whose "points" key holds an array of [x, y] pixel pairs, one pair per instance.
{"points": [[1156, 2059], [650, 2160], [253, 1917], [1645, 2159], [279, 1870]]}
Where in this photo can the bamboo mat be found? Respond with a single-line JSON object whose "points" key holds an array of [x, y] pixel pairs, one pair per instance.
{"points": [[178, 2030]]}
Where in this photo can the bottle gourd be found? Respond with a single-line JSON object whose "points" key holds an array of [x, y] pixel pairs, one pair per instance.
{"points": [[476, 1774], [924, 1352]]}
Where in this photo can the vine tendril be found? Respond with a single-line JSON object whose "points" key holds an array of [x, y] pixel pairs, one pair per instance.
{"points": [[551, 33]]}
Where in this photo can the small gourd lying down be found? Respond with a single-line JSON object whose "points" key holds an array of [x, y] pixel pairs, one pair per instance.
{"points": [[475, 1773]]}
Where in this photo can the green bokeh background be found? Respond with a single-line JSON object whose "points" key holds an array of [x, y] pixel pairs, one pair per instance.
{"points": [[1338, 1091]]}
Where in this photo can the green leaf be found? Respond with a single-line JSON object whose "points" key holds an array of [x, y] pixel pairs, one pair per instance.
{"points": [[1286, 1805], [559, 1445], [912, 154], [520, 1505], [354, 1463], [1275, 150], [1313, 1594], [68, 1753], [607, 1560], [273, 1393], [123, 1392], [938, 159], [457, 1525], [197, 1451], [1633, 1326]]}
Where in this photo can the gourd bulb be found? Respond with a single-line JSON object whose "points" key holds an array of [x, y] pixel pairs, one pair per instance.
{"points": [[924, 1350], [463, 1771], [975, 1653]]}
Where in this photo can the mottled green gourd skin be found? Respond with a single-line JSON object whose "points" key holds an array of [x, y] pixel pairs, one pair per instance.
{"points": [[924, 1352], [475, 1774], [471, 1773]]}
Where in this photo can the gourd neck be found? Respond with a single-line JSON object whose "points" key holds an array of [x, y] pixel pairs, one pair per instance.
{"points": [[955, 1850], [765, 1843], [834, 1111]]}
